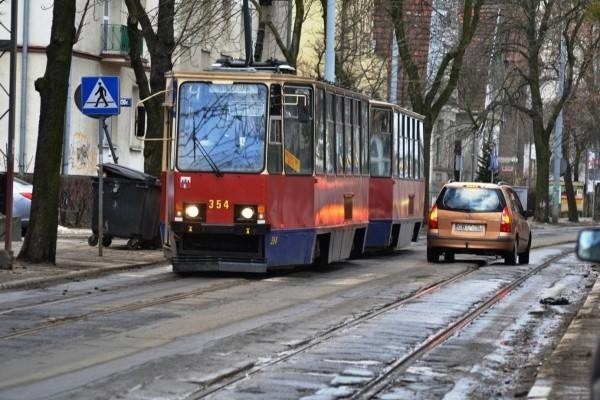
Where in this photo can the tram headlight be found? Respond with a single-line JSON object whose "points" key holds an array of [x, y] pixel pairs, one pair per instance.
{"points": [[249, 213], [245, 213], [194, 211]]}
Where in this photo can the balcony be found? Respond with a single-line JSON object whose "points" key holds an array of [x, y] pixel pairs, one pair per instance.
{"points": [[115, 43]]}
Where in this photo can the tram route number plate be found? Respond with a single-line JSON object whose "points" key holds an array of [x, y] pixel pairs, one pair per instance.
{"points": [[468, 227]]}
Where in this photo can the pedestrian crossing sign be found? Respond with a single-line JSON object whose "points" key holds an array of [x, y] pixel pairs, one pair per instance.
{"points": [[100, 95]]}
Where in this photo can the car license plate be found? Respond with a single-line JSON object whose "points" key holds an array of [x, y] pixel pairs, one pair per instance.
{"points": [[469, 227]]}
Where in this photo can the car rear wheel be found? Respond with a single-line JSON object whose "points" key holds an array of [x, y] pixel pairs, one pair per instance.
{"points": [[433, 256], [524, 256], [511, 258]]}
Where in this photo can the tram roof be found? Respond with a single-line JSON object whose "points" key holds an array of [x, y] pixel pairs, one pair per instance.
{"points": [[254, 75], [384, 104]]}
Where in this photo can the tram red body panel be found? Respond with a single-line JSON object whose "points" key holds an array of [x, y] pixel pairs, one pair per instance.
{"points": [[290, 202], [395, 198]]}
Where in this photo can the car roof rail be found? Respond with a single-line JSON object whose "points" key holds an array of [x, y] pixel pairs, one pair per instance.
{"points": [[502, 183]]}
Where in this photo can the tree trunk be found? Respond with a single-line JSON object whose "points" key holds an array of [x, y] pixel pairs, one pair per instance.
{"points": [[572, 204], [542, 197], [40, 240]]}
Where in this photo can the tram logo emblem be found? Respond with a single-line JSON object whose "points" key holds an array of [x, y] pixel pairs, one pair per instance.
{"points": [[185, 182]]}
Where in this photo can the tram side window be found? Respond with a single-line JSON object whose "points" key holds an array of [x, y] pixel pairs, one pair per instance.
{"points": [[364, 123], [274, 156], [421, 160], [330, 134], [320, 132], [298, 130], [381, 143], [408, 142], [395, 146], [355, 137], [339, 134], [414, 149], [348, 134], [401, 145]]}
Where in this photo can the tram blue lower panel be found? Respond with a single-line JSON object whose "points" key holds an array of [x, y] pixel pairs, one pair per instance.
{"points": [[293, 247], [379, 233]]}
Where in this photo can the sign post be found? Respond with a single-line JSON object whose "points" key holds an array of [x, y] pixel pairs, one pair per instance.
{"points": [[100, 97]]}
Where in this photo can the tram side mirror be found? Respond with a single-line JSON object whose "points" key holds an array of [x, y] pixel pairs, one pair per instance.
{"points": [[588, 245], [140, 122]]}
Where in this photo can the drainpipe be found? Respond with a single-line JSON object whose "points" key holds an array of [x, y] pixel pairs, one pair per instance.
{"points": [[24, 76]]}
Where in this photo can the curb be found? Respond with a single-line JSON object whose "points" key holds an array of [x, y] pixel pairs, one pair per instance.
{"points": [[92, 272]]}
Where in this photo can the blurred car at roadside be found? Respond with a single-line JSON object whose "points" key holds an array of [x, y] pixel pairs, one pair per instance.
{"points": [[22, 193], [588, 249]]}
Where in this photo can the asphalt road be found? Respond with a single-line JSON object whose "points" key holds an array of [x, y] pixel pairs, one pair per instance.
{"points": [[150, 334]]}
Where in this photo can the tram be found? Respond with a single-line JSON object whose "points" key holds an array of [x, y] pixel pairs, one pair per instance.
{"points": [[396, 187], [265, 170]]}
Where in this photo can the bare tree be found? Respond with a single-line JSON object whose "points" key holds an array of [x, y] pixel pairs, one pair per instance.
{"points": [[279, 29], [537, 27], [428, 96], [40, 241], [169, 31]]}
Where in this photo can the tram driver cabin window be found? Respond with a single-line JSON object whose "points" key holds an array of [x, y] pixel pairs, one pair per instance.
{"points": [[381, 143], [298, 130], [222, 127]]}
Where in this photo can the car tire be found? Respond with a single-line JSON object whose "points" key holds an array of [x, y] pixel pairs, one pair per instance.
{"points": [[511, 257], [433, 256], [93, 240], [106, 241], [524, 256], [449, 256]]}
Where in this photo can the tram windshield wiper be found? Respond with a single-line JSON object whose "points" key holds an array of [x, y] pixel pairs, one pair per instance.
{"points": [[207, 156]]}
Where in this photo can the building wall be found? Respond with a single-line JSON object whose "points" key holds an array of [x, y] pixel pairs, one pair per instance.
{"points": [[81, 154]]}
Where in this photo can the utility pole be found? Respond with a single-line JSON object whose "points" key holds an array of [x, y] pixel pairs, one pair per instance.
{"points": [[558, 134], [6, 258], [330, 42], [394, 70]]}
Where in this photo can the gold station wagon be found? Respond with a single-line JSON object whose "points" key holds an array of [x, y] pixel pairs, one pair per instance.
{"points": [[478, 218]]}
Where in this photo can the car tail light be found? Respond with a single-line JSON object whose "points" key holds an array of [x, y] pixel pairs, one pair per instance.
{"points": [[433, 218], [27, 195], [505, 221]]}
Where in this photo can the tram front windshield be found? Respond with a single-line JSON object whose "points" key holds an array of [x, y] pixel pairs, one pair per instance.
{"points": [[221, 127]]}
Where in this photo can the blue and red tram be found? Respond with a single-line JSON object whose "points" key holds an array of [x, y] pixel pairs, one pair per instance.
{"points": [[264, 170], [396, 187]]}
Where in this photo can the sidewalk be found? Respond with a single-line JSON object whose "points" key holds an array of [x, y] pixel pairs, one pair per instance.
{"points": [[75, 259]]}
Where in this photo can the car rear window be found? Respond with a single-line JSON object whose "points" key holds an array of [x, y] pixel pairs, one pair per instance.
{"points": [[471, 199]]}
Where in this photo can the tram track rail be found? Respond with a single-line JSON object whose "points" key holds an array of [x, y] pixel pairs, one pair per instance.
{"points": [[132, 306], [378, 384], [305, 345], [371, 388]]}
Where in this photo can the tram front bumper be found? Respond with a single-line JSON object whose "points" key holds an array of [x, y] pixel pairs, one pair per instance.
{"points": [[235, 248]]}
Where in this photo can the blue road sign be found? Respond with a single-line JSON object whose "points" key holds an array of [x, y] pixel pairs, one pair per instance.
{"points": [[100, 95]]}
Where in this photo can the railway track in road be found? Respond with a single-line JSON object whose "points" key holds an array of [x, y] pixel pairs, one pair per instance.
{"points": [[53, 322], [373, 386]]}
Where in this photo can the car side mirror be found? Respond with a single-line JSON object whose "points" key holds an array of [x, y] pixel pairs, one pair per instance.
{"points": [[528, 213], [140, 122], [587, 247]]}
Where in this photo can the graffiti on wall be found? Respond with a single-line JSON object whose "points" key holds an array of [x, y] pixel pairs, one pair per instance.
{"points": [[83, 158]]}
